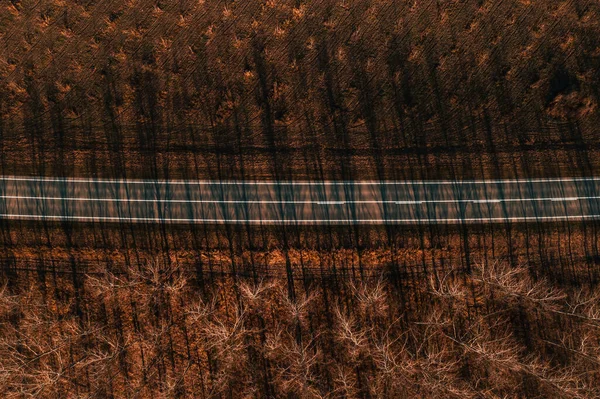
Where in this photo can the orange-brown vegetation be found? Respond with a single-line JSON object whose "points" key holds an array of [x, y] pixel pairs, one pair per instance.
{"points": [[299, 89], [496, 332], [236, 311], [288, 89]]}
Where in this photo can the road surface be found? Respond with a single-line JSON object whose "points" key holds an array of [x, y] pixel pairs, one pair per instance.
{"points": [[401, 202]]}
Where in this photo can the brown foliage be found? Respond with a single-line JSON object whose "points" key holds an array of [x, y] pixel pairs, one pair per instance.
{"points": [[498, 332], [349, 89]]}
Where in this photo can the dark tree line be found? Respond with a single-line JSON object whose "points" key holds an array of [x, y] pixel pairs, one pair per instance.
{"points": [[367, 89]]}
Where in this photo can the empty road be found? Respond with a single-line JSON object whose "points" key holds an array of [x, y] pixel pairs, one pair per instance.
{"points": [[401, 202]]}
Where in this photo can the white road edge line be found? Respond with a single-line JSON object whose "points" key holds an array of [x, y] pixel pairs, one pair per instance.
{"points": [[302, 221], [297, 183]]}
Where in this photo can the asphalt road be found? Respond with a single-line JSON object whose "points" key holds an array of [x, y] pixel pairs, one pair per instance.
{"points": [[401, 202]]}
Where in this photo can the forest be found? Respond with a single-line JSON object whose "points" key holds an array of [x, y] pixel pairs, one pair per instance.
{"points": [[299, 90], [331, 89]]}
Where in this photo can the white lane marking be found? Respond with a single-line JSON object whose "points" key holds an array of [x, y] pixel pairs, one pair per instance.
{"points": [[482, 201], [554, 199], [298, 183], [301, 221], [181, 201]]}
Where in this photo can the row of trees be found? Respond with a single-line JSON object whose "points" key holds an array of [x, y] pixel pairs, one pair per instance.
{"points": [[496, 332], [293, 89], [563, 252]]}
